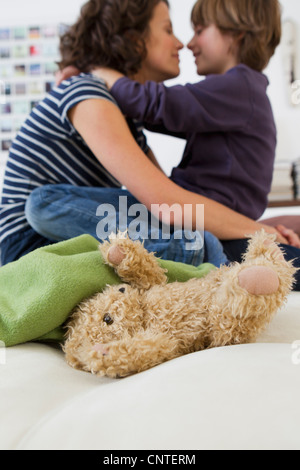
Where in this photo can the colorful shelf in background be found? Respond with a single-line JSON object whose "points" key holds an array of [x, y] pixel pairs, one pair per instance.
{"points": [[28, 56]]}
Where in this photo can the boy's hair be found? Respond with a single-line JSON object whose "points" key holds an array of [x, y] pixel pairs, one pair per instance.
{"points": [[109, 33], [256, 22]]}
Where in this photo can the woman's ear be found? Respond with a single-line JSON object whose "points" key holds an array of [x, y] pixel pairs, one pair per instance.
{"points": [[138, 41]]}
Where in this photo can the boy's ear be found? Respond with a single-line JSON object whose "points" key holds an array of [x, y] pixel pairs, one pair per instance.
{"points": [[237, 38], [240, 36]]}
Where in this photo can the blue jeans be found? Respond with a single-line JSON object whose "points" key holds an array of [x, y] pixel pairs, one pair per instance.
{"points": [[19, 244], [61, 212]]}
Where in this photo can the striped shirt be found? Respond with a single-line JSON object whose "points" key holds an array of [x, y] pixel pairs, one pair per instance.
{"points": [[49, 150]]}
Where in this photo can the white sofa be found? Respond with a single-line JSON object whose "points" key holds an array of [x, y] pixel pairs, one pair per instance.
{"points": [[241, 397]]}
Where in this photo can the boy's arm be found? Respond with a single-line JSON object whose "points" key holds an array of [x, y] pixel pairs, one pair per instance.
{"points": [[214, 105], [160, 129], [219, 103], [111, 76]]}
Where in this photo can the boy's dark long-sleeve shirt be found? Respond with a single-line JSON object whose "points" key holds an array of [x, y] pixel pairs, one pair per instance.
{"points": [[229, 126]]}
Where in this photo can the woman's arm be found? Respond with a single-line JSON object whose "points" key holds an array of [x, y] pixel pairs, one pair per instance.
{"points": [[153, 159], [105, 131]]}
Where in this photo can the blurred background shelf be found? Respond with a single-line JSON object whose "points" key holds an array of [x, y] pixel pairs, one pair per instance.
{"points": [[292, 203]]}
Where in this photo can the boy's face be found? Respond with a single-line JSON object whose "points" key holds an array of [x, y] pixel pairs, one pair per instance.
{"points": [[215, 52]]}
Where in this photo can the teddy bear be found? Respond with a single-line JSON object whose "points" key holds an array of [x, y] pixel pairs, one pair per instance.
{"points": [[145, 321]]}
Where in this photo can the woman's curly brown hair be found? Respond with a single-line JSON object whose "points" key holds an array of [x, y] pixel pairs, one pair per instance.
{"points": [[109, 33]]}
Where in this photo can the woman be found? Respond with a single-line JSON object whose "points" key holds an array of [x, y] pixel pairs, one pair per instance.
{"points": [[76, 143]]}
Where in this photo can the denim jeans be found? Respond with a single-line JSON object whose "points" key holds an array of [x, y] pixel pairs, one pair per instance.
{"points": [[20, 244], [61, 212]]}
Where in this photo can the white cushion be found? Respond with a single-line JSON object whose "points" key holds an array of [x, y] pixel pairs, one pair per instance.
{"points": [[240, 397]]}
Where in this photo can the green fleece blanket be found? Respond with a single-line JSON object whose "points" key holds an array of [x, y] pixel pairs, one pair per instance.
{"points": [[40, 290]]}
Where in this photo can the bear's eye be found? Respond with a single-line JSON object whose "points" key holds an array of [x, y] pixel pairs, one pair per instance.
{"points": [[107, 319], [122, 290]]}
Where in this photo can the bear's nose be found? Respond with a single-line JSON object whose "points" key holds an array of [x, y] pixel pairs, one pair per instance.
{"points": [[101, 348], [122, 290], [107, 319]]}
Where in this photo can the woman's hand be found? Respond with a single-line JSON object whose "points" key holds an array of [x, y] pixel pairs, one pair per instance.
{"points": [[284, 235], [291, 236], [269, 229]]}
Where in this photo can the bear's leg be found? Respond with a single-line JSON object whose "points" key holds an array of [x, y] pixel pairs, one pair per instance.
{"points": [[259, 280], [132, 262], [247, 295]]}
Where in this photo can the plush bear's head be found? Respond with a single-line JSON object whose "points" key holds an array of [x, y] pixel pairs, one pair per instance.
{"points": [[108, 335], [109, 315], [115, 312]]}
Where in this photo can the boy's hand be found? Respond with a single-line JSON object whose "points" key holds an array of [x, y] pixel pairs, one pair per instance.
{"points": [[66, 73], [110, 76]]}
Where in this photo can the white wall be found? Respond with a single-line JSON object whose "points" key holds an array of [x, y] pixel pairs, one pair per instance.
{"points": [[169, 151], [17, 12], [287, 117]]}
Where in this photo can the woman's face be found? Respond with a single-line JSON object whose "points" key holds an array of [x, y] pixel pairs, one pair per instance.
{"points": [[162, 61], [214, 51]]}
